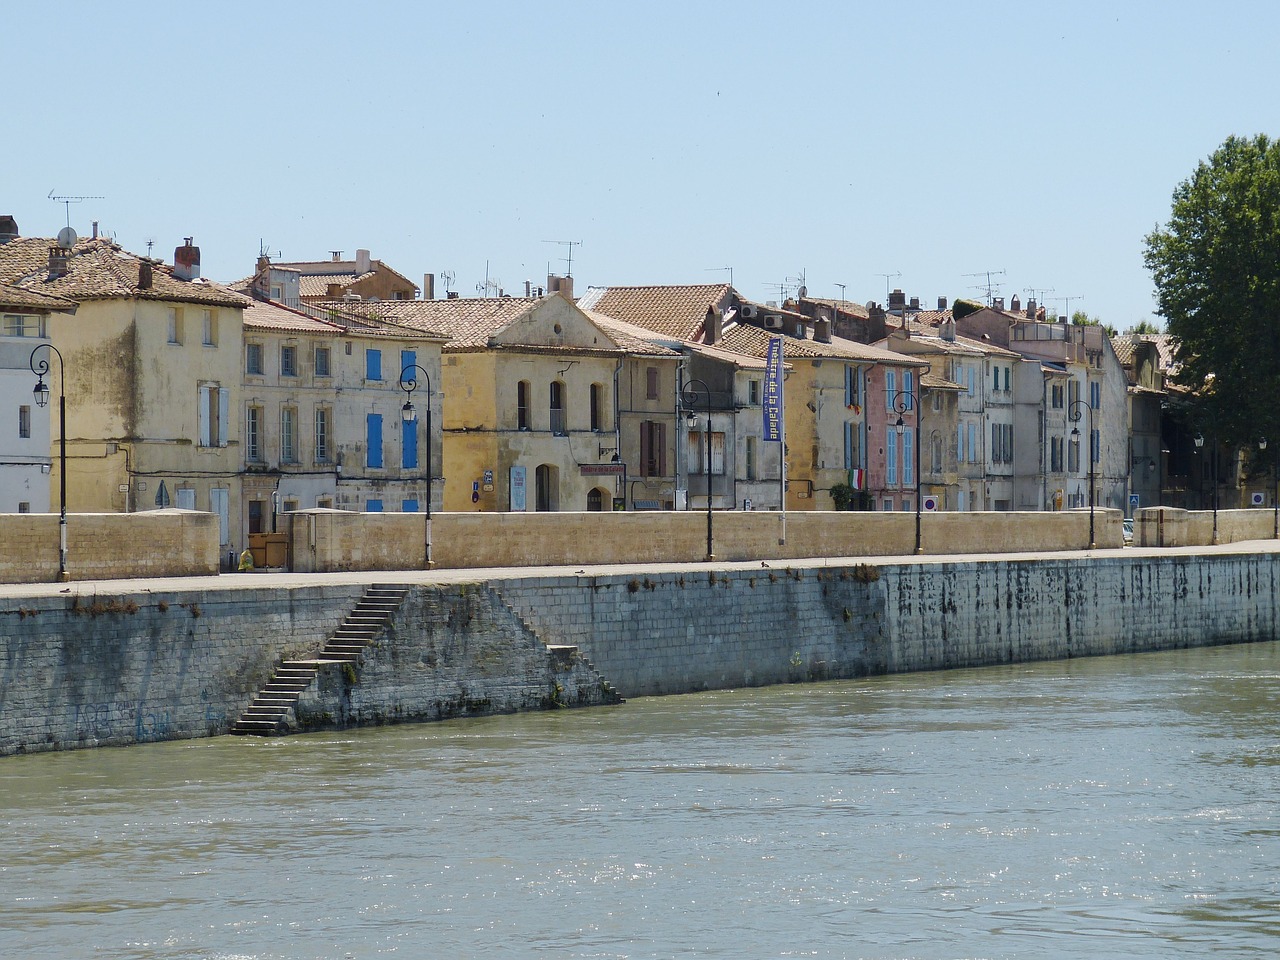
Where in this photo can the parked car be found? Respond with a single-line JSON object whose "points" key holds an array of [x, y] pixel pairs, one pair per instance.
{"points": [[1128, 531]]}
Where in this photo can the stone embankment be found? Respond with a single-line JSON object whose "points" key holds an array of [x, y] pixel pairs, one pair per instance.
{"points": [[93, 667]]}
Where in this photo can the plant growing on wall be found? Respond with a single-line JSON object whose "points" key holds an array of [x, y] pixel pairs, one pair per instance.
{"points": [[843, 495]]}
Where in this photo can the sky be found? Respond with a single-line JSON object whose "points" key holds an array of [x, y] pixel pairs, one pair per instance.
{"points": [[934, 147]]}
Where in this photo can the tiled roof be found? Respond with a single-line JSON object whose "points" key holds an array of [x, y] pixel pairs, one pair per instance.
{"points": [[931, 382], [311, 285], [849, 308], [336, 271], [260, 315], [630, 338], [931, 318], [677, 311], [12, 297], [754, 341], [101, 270]]}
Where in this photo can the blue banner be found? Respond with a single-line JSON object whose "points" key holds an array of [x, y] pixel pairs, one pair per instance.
{"points": [[773, 392]]}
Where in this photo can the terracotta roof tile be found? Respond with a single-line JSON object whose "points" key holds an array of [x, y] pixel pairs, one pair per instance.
{"points": [[16, 298], [849, 308], [677, 311], [101, 270], [754, 341]]}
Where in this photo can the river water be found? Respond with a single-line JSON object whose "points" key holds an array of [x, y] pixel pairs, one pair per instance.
{"points": [[1111, 808]]}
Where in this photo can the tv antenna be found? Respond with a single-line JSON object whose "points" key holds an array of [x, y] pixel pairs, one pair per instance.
{"points": [[1066, 303], [989, 287], [446, 278], [150, 243], [801, 288], [569, 259], [722, 270], [887, 278], [842, 286], [489, 288], [1039, 292], [68, 201]]}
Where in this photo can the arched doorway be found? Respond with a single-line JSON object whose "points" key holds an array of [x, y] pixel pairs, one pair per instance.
{"points": [[546, 483], [595, 500]]}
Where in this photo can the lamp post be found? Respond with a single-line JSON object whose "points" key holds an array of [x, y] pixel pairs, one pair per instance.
{"points": [[904, 400], [409, 383], [41, 392], [1199, 442], [689, 396], [1275, 501], [1074, 415]]}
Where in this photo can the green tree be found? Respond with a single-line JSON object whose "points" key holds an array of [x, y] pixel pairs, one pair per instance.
{"points": [[1143, 327], [962, 308], [1216, 267]]}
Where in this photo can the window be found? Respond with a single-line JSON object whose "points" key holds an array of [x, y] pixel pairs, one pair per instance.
{"points": [[408, 360], [322, 434], [753, 393], [257, 513], [253, 435], [408, 445], [288, 434], [973, 443], [522, 405], [698, 453], [597, 410], [908, 390], [24, 506], [969, 375], [1073, 391], [22, 325], [960, 445], [546, 488], [890, 388], [1073, 455], [322, 362], [850, 445], [373, 364], [1055, 454], [1056, 395], [373, 506], [253, 359], [595, 500], [1095, 445], [175, 325], [653, 448], [1007, 371], [1002, 443], [211, 415], [24, 422], [891, 458], [935, 454], [409, 506], [373, 440], [651, 383], [753, 458], [324, 503], [995, 385], [288, 360], [1095, 394], [557, 408], [208, 328]]}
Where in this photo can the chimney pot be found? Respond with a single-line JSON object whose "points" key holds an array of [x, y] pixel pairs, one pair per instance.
{"points": [[942, 303], [186, 261], [428, 286], [145, 276], [363, 263], [8, 229]]}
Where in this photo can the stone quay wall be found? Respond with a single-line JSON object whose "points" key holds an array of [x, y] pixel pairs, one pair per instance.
{"points": [[96, 670]]}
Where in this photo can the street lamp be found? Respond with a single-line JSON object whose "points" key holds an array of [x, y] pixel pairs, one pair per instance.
{"points": [[904, 400], [41, 392], [1074, 415], [689, 397], [1275, 500], [409, 383], [1199, 441]]}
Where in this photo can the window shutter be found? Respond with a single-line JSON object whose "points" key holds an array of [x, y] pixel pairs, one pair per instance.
{"points": [[202, 417], [224, 415], [373, 439], [409, 445], [659, 433], [717, 453], [407, 359], [646, 441]]}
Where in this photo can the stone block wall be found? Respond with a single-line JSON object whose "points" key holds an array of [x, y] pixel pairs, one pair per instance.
{"points": [[109, 546]]}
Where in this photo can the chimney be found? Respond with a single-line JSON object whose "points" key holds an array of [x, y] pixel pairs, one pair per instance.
{"points": [[947, 329], [563, 286], [1031, 309], [57, 263], [95, 230], [144, 275], [711, 326], [333, 291], [822, 329], [336, 254], [186, 261], [8, 229], [363, 262], [1062, 318], [452, 294], [942, 303], [428, 286], [528, 289], [1015, 304], [997, 303], [898, 302], [915, 304]]}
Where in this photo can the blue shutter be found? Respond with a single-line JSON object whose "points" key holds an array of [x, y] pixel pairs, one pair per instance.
{"points": [[373, 364], [908, 458], [891, 457], [849, 395], [890, 388], [407, 359], [848, 446], [408, 506], [408, 445], [907, 381], [373, 439], [373, 506]]}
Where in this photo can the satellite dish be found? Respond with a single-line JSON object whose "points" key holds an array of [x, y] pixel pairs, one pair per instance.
{"points": [[66, 238]]}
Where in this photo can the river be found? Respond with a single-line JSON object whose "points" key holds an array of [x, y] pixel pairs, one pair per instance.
{"points": [[1119, 807]]}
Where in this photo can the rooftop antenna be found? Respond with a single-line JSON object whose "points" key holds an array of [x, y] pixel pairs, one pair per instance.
{"points": [[68, 201], [446, 279], [489, 287], [150, 243], [721, 270], [798, 282], [841, 286], [1066, 303], [782, 289], [887, 278], [989, 288], [569, 259], [1039, 292]]}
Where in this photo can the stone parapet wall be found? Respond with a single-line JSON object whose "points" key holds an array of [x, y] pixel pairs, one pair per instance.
{"points": [[109, 546]]}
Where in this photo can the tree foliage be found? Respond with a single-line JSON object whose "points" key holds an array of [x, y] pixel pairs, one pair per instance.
{"points": [[1216, 267], [1082, 319], [1143, 327], [962, 308]]}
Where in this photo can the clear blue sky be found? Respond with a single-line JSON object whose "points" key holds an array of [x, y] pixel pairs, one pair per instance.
{"points": [[845, 140]]}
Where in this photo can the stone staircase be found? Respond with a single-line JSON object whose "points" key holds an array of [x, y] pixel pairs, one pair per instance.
{"points": [[268, 714]]}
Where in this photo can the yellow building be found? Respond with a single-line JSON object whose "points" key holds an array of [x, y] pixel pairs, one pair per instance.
{"points": [[152, 376], [543, 406]]}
